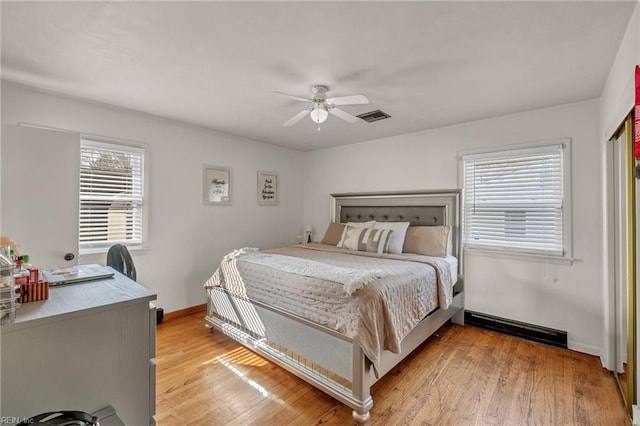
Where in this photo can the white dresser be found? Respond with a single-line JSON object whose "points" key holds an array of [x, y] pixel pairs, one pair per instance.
{"points": [[90, 345]]}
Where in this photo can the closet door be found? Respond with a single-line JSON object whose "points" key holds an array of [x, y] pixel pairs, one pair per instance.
{"points": [[39, 199], [620, 251], [623, 215]]}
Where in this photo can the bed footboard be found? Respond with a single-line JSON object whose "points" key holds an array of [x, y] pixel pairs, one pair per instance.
{"points": [[300, 346], [297, 345]]}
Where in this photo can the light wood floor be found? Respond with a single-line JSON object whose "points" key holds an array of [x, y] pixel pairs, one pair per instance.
{"points": [[464, 376]]}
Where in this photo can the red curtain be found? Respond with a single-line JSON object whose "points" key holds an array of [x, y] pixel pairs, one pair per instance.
{"points": [[636, 115]]}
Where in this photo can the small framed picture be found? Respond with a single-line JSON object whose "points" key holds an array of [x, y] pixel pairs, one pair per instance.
{"points": [[216, 185], [268, 189]]}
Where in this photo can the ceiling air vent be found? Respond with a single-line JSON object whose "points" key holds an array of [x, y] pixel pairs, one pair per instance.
{"points": [[372, 116]]}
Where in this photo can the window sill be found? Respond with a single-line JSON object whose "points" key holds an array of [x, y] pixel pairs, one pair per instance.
{"points": [[104, 250], [540, 258]]}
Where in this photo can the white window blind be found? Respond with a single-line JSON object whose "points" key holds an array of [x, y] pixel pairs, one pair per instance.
{"points": [[111, 195], [514, 200]]}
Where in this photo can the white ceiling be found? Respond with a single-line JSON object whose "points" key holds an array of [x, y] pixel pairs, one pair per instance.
{"points": [[215, 64]]}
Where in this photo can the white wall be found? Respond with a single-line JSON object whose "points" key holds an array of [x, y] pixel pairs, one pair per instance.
{"points": [[618, 95], [187, 239], [559, 296]]}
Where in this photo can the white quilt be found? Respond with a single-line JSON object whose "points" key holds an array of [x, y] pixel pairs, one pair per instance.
{"points": [[378, 315]]}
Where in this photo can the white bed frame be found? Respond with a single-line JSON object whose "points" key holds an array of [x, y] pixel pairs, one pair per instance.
{"points": [[332, 362]]}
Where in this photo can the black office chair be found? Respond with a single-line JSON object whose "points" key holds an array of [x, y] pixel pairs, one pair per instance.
{"points": [[119, 258]]}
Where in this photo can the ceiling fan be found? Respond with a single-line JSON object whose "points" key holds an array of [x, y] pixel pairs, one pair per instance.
{"points": [[320, 106]]}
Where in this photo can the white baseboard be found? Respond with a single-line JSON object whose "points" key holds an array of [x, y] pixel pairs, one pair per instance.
{"points": [[587, 349]]}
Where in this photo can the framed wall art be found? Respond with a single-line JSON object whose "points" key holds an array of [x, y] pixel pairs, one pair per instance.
{"points": [[268, 187], [216, 185]]}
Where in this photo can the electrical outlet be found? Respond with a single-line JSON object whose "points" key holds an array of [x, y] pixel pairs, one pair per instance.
{"points": [[635, 413]]}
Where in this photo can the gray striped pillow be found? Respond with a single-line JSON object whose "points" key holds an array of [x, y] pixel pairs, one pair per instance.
{"points": [[367, 239]]}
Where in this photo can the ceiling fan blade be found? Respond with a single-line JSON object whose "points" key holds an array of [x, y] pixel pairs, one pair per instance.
{"points": [[344, 115], [296, 118], [297, 98], [348, 100]]}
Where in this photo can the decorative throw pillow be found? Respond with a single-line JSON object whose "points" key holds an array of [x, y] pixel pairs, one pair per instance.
{"points": [[333, 234], [428, 240], [397, 239], [368, 224], [367, 239]]}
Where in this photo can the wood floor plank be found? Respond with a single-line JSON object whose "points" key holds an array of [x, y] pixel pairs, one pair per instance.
{"points": [[462, 376]]}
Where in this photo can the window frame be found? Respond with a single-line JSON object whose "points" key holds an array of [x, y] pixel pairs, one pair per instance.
{"points": [[126, 146], [567, 256]]}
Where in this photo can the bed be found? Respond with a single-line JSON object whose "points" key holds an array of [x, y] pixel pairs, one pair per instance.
{"points": [[342, 316]]}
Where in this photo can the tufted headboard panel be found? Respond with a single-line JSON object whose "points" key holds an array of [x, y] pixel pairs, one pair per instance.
{"points": [[416, 215]]}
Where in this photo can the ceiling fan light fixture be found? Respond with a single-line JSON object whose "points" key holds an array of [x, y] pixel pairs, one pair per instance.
{"points": [[319, 114]]}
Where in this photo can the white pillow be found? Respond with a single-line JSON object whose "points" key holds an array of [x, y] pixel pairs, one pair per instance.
{"points": [[397, 237], [354, 225]]}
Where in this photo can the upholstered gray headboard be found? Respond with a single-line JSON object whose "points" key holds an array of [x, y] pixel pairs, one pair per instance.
{"points": [[416, 215], [425, 208]]}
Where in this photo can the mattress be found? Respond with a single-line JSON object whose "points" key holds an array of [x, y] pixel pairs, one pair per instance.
{"points": [[378, 315]]}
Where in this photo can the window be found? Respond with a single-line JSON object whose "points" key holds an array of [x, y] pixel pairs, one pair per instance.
{"points": [[111, 195], [514, 200]]}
